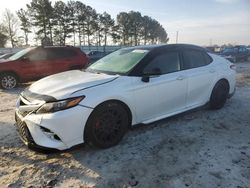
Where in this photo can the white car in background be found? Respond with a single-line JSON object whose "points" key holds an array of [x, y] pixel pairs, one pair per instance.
{"points": [[133, 85]]}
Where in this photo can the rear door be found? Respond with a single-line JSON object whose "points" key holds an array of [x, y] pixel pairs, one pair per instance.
{"points": [[163, 94], [200, 71]]}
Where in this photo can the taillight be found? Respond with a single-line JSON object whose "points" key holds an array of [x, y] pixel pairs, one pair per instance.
{"points": [[233, 67]]}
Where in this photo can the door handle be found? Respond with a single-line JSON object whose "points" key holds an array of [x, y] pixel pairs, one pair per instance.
{"points": [[212, 70], [180, 78]]}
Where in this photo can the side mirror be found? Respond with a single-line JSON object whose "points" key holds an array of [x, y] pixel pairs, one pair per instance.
{"points": [[153, 73], [145, 78]]}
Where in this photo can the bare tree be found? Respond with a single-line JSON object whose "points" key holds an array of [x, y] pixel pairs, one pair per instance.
{"points": [[3, 36], [11, 23]]}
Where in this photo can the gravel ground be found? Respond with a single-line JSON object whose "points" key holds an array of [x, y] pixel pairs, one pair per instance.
{"points": [[201, 148]]}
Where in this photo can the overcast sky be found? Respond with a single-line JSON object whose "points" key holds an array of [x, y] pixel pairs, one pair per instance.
{"points": [[198, 21]]}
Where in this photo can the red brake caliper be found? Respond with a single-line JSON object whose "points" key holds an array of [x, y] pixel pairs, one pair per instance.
{"points": [[97, 124]]}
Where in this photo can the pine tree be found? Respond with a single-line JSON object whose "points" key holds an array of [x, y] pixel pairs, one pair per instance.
{"points": [[42, 15], [25, 23]]}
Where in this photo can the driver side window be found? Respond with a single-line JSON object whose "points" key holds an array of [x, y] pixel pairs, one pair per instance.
{"points": [[167, 62], [38, 55]]}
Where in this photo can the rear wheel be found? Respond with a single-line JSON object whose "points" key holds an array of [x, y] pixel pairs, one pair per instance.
{"points": [[8, 81], [219, 95], [107, 125]]}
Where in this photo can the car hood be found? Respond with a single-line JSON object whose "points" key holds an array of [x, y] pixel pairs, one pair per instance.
{"points": [[65, 85]]}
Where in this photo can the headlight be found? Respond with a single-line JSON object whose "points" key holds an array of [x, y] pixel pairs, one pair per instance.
{"points": [[59, 105]]}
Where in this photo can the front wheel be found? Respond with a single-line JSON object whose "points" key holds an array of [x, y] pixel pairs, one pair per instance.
{"points": [[219, 95], [8, 81], [107, 125]]}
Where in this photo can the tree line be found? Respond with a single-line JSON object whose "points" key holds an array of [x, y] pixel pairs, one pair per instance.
{"points": [[78, 24]]}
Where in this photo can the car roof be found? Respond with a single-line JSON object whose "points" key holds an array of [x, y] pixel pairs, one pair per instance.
{"points": [[48, 47], [168, 46]]}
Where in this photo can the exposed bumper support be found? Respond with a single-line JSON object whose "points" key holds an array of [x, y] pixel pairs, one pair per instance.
{"points": [[54, 131]]}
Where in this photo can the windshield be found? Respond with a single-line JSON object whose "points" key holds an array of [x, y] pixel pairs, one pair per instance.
{"points": [[119, 62], [230, 50], [20, 54]]}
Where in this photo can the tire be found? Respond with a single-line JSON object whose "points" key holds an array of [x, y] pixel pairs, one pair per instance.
{"points": [[107, 125], [219, 95], [8, 81]]}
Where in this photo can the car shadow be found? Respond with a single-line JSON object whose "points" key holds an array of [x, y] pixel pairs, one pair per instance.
{"points": [[146, 150], [142, 152]]}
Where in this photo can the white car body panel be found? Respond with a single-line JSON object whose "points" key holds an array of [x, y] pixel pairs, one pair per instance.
{"points": [[161, 97], [224, 72], [63, 84], [200, 83], [67, 119]]}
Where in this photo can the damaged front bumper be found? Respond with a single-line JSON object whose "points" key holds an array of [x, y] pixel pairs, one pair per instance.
{"points": [[60, 130]]}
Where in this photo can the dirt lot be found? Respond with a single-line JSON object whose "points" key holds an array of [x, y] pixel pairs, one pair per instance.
{"points": [[202, 148]]}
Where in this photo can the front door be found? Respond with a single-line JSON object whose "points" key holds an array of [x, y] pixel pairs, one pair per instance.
{"points": [[164, 93]]}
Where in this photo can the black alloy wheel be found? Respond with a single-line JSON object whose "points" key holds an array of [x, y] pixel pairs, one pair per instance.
{"points": [[107, 125], [219, 95]]}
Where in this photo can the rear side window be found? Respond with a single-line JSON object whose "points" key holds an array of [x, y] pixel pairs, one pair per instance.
{"points": [[208, 59], [194, 58], [166, 63], [58, 53]]}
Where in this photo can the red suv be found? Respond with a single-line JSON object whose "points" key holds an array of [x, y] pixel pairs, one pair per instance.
{"points": [[37, 62]]}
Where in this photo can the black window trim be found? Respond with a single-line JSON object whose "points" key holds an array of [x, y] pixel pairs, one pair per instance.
{"points": [[138, 70], [164, 52], [197, 50], [209, 57]]}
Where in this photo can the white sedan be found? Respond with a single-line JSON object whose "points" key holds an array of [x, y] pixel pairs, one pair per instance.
{"points": [[130, 86]]}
